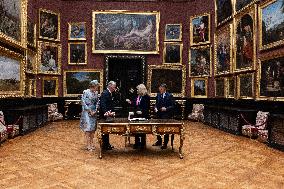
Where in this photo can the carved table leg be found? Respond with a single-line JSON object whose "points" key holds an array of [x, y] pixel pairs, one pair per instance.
{"points": [[180, 147], [172, 141], [99, 135]]}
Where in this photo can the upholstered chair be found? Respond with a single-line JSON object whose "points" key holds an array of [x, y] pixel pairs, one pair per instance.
{"points": [[197, 112], [9, 130], [53, 114]]}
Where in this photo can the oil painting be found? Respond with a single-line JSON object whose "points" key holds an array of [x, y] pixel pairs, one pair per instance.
{"points": [[220, 87], [199, 88], [49, 25], [50, 87], [200, 61], [77, 53], [200, 29], [77, 31], [173, 32], [173, 53], [246, 86], [224, 11]]}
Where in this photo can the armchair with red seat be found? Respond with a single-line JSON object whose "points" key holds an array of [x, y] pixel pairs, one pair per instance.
{"points": [[11, 130]]}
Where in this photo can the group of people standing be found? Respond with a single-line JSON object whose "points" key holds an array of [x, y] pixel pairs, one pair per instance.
{"points": [[92, 104]]}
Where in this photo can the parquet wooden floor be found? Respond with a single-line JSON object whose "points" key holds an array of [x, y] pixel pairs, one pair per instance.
{"points": [[53, 157]]}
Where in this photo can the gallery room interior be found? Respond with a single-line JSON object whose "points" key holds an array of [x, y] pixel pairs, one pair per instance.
{"points": [[142, 94]]}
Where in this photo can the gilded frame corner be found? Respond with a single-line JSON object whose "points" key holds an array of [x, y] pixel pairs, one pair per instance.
{"points": [[192, 87], [45, 78], [191, 29], [180, 53], [180, 36], [69, 54]]}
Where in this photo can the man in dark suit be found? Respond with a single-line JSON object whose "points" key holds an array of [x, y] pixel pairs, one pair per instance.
{"points": [[106, 110], [164, 109]]}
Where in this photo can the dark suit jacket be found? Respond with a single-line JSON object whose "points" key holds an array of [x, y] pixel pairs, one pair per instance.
{"points": [[144, 106], [167, 102], [106, 102]]}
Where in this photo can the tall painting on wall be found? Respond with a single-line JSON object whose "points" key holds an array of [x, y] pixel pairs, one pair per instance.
{"points": [[31, 33], [49, 25], [271, 24], [173, 53], [126, 32], [50, 87], [199, 88], [77, 31], [220, 87], [77, 53], [223, 50], [271, 78], [13, 22], [245, 86], [230, 87], [200, 61], [173, 32], [242, 4], [31, 62], [223, 11], [200, 29], [75, 82]]}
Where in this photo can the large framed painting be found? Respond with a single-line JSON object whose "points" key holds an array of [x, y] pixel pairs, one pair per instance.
{"points": [[271, 78], [173, 32], [12, 77], [31, 62], [77, 31], [200, 61], [49, 58], [200, 29], [126, 32], [31, 33], [199, 87], [245, 40], [49, 25], [245, 86], [77, 53], [50, 86], [243, 4], [32, 87], [76, 81], [173, 76], [230, 87], [220, 89], [13, 21], [223, 11], [173, 53], [223, 52], [271, 23]]}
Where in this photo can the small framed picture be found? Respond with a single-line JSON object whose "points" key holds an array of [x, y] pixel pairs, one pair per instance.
{"points": [[173, 32], [199, 88], [31, 33], [173, 53], [246, 87], [31, 62], [220, 87], [50, 87], [77, 53], [49, 25], [230, 87], [77, 31], [200, 29]]}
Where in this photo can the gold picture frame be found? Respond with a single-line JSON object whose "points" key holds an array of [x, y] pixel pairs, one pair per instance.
{"points": [[204, 89], [52, 93], [223, 89], [171, 69], [81, 36], [179, 38], [75, 58], [171, 60], [230, 87], [200, 16], [236, 12], [83, 84], [249, 49], [33, 34], [32, 87], [12, 85], [22, 41], [217, 24], [112, 49], [246, 86], [49, 36], [31, 57], [45, 64]]}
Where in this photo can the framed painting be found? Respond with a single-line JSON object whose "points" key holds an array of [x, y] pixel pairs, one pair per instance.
{"points": [[223, 52], [126, 32], [173, 32], [271, 23], [12, 77], [230, 87], [31, 33], [32, 87], [220, 90], [49, 58], [31, 62], [77, 31], [77, 53], [50, 87], [200, 29], [200, 61], [243, 4], [199, 87], [245, 40], [271, 78], [245, 86], [49, 25], [172, 53], [13, 21], [75, 82], [173, 76], [223, 11]]}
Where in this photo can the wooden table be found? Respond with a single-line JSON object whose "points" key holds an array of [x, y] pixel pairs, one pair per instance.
{"points": [[126, 128]]}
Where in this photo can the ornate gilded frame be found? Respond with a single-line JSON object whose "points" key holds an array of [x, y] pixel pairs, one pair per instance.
{"points": [[94, 50], [100, 71], [34, 35], [180, 53], [180, 36], [34, 54], [252, 12], [227, 19], [227, 87], [209, 29], [239, 87], [58, 29], [69, 54], [58, 46], [69, 31], [273, 44], [169, 67], [192, 87], [243, 8], [224, 87], [46, 78], [23, 39], [32, 82]]}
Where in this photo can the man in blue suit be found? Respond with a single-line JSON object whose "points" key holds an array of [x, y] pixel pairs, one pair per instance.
{"points": [[164, 109]]}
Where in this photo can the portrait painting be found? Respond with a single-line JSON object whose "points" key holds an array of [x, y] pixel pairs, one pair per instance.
{"points": [[172, 53], [200, 61], [230, 87], [50, 87], [224, 11], [31, 62], [223, 50], [173, 76], [245, 42], [200, 29], [126, 32], [173, 32], [32, 87], [77, 31], [220, 87], [49, 25], [77, 53], [242, 4], [246, 86], [75, 82], [31, 33], [271, 22], [199, 88], [271, 78], [49, 58]]}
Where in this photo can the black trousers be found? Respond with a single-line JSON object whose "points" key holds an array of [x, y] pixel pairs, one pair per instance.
{"points": [[105, 139], [140, 140]]}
